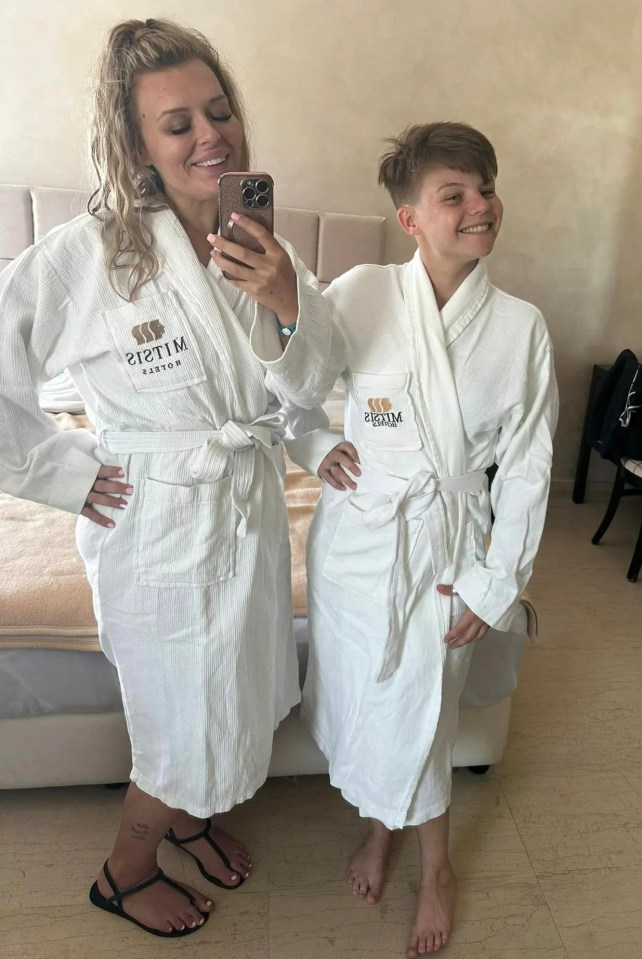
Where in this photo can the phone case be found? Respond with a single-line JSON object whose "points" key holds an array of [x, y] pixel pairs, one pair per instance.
{"points": [[251, 194]]}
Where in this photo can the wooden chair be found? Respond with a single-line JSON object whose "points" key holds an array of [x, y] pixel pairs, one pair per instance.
{"points": [[629, 473]]}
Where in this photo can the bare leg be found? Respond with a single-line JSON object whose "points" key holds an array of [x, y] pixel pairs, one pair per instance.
{"points": [[144, 822], [186, 825], [367, 868], [437, 889]]}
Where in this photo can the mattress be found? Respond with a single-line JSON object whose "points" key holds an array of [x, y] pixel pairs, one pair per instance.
{"points": [[42, 682]]}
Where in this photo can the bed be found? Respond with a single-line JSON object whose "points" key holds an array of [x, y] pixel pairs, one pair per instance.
{"points": [[61, 719]]}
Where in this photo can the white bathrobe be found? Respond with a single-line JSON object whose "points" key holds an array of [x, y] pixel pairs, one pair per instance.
{"points": [[432, 400], [191, 587]]}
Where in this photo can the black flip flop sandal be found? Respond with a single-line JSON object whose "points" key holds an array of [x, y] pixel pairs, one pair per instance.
{"points": [[114, 903], [205, 834]]}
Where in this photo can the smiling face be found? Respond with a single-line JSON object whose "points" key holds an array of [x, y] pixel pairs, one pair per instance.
{"points": [[188, 132], [455, 219]]}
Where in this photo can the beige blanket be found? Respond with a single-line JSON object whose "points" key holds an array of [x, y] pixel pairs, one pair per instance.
{"points": [[45, 600]]}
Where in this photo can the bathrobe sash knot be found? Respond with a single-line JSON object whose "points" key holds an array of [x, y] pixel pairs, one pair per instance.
{"points": [[215, 447]]}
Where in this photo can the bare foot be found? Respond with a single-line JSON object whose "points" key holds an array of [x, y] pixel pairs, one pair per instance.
{"points": [[234, 850], [160, 906], [435, 909], [367, 868]]}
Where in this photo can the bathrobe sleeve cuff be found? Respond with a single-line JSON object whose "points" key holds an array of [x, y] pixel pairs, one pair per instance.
{"points": [[308, 450], [491, 599]]}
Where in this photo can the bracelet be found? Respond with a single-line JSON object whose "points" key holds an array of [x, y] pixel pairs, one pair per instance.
{"points": [[287, 330]]}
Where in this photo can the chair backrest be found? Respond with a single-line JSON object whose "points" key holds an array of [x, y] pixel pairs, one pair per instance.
{"points": [[328, 243]]}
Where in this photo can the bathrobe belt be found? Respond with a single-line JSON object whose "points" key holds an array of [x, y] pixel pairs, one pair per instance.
{"points": [[241, 440], [402, 500]]}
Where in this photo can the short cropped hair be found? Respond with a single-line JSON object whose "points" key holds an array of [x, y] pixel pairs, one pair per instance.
{"points": [[418, 149]]}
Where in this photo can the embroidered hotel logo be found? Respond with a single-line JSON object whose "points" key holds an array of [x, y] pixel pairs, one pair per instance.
{"points": [[148, 332], [159, 358], [381, 412]]}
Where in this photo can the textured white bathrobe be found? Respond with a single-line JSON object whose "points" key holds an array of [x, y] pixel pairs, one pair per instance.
{"points": [[191, 587], [433, 399]]}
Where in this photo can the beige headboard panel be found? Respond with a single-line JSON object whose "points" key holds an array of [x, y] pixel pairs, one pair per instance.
{"points": [[328, 243]]}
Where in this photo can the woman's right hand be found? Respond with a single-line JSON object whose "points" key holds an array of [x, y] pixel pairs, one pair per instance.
{"points": [[336, 464], [106, 492]]}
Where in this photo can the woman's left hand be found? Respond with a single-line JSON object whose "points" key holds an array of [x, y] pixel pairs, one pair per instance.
{"points": [[268, 277], [468, 628]]}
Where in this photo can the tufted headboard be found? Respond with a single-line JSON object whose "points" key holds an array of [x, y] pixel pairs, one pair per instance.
{"points": [[328, 243]]}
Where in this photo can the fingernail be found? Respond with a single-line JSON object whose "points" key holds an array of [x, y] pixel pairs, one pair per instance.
{"points": [[211, 237], [120, 473], [235, 217], [111, 525], [121, 505]]}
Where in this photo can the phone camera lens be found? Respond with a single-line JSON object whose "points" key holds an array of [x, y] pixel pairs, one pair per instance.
{"points": [[262, 186], [262, 200], [249, 193]]}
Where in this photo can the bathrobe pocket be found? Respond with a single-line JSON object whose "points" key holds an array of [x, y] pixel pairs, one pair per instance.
{"points": [[186, 535], [386, 411], [361, 559], [154, 343]]}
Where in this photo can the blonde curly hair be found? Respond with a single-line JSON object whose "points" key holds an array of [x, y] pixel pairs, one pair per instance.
{"points": [[127, 188]]}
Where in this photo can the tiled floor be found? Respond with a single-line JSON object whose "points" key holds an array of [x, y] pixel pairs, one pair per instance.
{"points": [[548, 846]]}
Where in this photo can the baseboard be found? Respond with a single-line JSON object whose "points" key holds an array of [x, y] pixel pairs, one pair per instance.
{"points": [[597, 489]]}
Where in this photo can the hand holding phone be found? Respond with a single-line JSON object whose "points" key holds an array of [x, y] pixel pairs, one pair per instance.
{"points": [[262, 267], [251, 194]]}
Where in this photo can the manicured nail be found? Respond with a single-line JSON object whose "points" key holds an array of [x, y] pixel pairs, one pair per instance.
{"points": [[111, 525], [129, 489], [211, 237], [120, 473], [235, 217], [209, 902], [201, 921], [247, 875], [194, 924], [233, 877], [182, 927]]}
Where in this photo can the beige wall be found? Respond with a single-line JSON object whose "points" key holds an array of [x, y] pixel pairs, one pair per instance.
{"points": [[556, 84]]}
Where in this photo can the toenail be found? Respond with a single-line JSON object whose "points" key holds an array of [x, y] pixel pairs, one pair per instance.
{"points": [[182, 927], [201, 921], [209, 902], [194, 924], [233, 877], [247, 875]]}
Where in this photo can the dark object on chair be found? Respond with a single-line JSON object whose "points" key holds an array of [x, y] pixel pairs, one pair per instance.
{"points": [[615, 423], [615, 430], [622, 477]]}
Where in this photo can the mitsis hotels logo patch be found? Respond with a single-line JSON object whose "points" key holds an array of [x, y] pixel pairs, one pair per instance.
{"points": [[381, 412], [163, 356]]}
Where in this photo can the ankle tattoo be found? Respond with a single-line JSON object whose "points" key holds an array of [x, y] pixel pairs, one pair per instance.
{"points": [[141, 831]]}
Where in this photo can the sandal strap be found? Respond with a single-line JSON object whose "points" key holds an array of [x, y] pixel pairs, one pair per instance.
{"points": [[119, 894], [203, 834]]}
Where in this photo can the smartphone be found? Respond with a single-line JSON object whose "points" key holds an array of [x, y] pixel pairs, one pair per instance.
{"points": [[251, 194]]}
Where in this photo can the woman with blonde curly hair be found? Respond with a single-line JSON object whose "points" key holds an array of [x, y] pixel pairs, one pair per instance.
{"points": [[183, 529]]}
